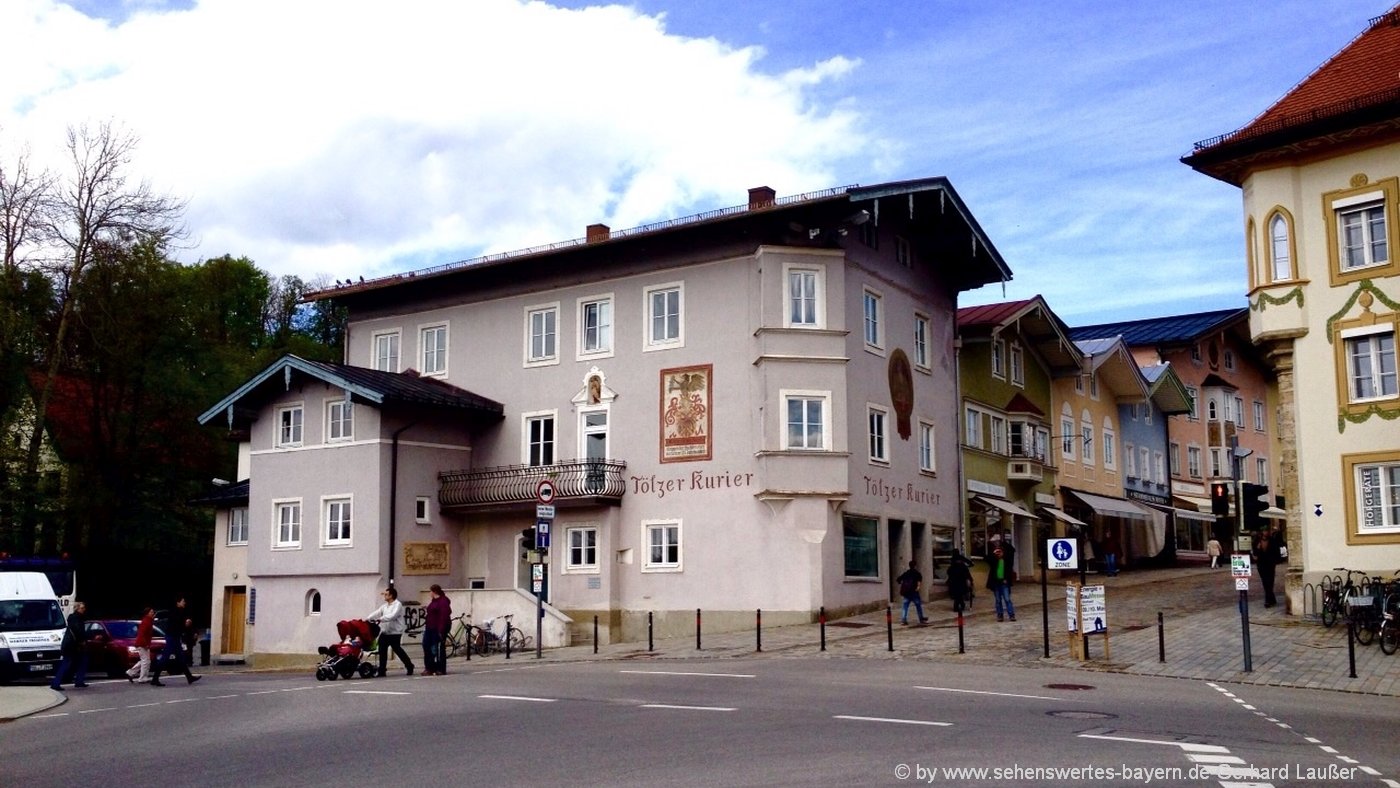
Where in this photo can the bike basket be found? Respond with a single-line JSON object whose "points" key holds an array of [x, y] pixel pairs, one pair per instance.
{"points": [[1361, 601]]}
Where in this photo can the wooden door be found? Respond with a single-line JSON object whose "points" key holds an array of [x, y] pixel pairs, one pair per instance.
{"points": [[235, 618]]}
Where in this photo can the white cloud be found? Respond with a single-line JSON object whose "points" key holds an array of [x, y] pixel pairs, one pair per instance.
{"points": [[357, 137]]}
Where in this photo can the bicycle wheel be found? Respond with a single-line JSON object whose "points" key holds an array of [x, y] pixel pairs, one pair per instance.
{"points": [[1330, 603], [449, 645], [1364, 629], [517, 640], [1390, 636]]}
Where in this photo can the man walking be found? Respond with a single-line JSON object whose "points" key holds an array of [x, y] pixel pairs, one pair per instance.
{"points": [[911, 585], [176, 625], [1001, 573]]}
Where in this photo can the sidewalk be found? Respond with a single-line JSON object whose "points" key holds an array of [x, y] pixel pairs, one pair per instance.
{"points": [[1201, 631]]}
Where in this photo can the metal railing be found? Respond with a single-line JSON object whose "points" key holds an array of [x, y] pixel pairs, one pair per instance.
{"points": [[508, 484]]}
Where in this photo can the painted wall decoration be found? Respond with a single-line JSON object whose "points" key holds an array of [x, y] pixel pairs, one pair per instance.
{"points": [[426, 558], [901, 391], [686, 413]]}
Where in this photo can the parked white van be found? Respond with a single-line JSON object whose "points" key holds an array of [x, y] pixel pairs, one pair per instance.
{"points": [[31, 625]]}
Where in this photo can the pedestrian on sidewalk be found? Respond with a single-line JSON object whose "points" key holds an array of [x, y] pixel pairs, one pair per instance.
{"points": [[74, 654], [436, 624], [141, 671], [172, 657], [1001, 562], [911, 585], [1110, 552], [1213, 550], [960, 580], [1267, 556], [391, 627]]}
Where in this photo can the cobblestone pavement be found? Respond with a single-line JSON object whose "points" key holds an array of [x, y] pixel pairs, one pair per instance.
{"points": [[1201, 632]]}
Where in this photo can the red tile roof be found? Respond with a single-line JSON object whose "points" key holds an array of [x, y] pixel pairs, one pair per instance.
{"points": [[991, 314]]}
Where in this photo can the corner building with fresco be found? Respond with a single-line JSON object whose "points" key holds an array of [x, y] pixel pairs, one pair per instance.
{"points": [[750, 409]]}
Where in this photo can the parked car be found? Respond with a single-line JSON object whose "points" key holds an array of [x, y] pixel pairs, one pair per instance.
{"points": [[111, 645]]}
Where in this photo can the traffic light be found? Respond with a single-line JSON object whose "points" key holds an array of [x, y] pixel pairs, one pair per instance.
{"points": [[1253, 507], [527, 538], [1220, 498]]}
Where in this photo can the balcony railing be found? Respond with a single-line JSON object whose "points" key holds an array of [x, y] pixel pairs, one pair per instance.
{"points": [[505, 486]]}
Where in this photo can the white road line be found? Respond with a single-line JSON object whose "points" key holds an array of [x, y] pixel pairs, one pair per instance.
{"points": [[686, 708], [1345, 759], [1308, 739], [295, 689], [183, 700], [94, 711], [1001, 694], [1185, 746], [684, 673], [1370, 771], [217, 697], [55, 714], [374, 692], [1213, 758], [890, 719], [519, 697], [1330, 750], [143, 705], [1391, 783], [262, 692]]}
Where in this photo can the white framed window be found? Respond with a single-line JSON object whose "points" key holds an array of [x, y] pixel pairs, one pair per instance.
{"points": [[423, 510], [1174, 457], [1239, 412], [1067, 437], [1145, 463], [595, 329], [386, 351], [921, 338], [1110, 453], [340, 420], [804, 293], [1261, 470], [542, 335], [1193, 461], [1370, 363], [664, 306], [1362, 234], [807, 420], [972, 428], [1376, 493], [998, 433], [1212, 409], [1361, 230], [313, 602], [903, 251], [1229, 357], [1159, 475], [663, 545], [999, 359], [1196, 353], [1195, 397], [1079, 384], [538, 435], [1280, 248], [1258, 416], [1130, 460], [1018, 365], [289, 425], [1147, 412], [1086, 439], [432, 344], [877, 418], [286, 524], [1218, 465], [873, 319], [581, 550], [238, 526], [593, 440], [336, 516], [926, 447]]}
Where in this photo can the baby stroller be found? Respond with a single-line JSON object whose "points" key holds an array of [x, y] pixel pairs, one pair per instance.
{"points": [[342, 659]]}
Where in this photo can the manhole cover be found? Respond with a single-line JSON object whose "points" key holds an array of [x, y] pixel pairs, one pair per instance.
{"points": [[1069, 686], [1081, 715], [849, 624]]}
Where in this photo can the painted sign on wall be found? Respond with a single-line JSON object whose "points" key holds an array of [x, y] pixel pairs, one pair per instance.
{"points": [[426, 558], [686, 413]]}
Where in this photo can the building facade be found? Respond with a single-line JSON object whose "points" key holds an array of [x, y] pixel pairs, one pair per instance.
{"points": [[748, 409], [1319, 174]]}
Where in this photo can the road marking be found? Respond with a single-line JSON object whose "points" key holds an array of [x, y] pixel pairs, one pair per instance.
{"points": [[374, 692], [519, 697], [183, 700], [1329, 750], [295, 689], [686, 708], [94, 711], [1185, 746], [55, 714], [143, 705], [684, 673], [262, 692], [217, 697], [1212, 758], [1001, 694], [1370, 771], [890, 719]]}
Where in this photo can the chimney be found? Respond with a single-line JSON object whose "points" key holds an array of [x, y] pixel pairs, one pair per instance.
{"points": [[762, 197], [597, 232]]}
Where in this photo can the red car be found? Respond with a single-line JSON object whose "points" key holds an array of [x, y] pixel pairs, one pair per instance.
{"points": [[111, 645]]}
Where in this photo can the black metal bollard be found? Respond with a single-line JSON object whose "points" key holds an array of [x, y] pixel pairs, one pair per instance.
{"points": [[508, 628], [595, 634], [758, 629], [697, 629], [822, 619], [650, 645], [889, 625], [1351, 647], [961, 649], [1161, 639]]}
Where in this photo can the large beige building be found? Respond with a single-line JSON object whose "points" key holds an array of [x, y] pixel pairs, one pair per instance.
{"points": [[1319, 172]]}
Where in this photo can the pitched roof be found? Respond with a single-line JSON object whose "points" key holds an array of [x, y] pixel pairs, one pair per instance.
{"points": [[1037, 325], [1110, 360], [1355, 93], [1164, 331], [223, 496], [1168, 392], [368, 385], [1020, 404]]}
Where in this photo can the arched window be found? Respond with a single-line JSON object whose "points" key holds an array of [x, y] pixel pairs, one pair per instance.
{"points": [[313, 602], [1280, 247]]}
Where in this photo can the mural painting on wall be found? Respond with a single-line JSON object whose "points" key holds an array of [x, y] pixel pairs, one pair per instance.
{"points": [[901, 391], [685, 413], [426, 558]]}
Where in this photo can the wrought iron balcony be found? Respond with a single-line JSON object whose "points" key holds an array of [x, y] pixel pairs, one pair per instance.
{"points": [[504, 487]]}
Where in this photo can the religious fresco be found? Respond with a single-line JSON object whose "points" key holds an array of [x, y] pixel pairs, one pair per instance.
{"points": [[686, 413]]}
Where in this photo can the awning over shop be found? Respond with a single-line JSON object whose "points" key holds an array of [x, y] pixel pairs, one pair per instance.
{"points": [[1185, 514], [1003, 505], [1192, 502], [1061, 516], [1118, 507]]}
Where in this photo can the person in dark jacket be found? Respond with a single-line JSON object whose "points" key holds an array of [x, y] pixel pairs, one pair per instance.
{"points": [[74, 655], [1001, 573], [176, 625], [436, 625], [1267, 556], [911, 587], [959, 580]]}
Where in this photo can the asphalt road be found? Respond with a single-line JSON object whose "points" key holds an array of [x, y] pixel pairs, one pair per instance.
{"points": [[705, 722]]}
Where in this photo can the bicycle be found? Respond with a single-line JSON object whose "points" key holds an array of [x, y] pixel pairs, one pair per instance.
{"points": [[1335, 596], [507, 638], [463, 636], [1390, 624]]}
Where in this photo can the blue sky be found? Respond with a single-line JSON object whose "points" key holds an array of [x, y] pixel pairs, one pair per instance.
{"points": [[335, 139]]}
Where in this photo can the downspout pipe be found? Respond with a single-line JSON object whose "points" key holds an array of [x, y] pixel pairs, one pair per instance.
{"points": [[394, 495]]}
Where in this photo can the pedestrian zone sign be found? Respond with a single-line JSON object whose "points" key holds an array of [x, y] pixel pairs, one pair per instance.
{"points": [[1063, 554], [1239, 565]]}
